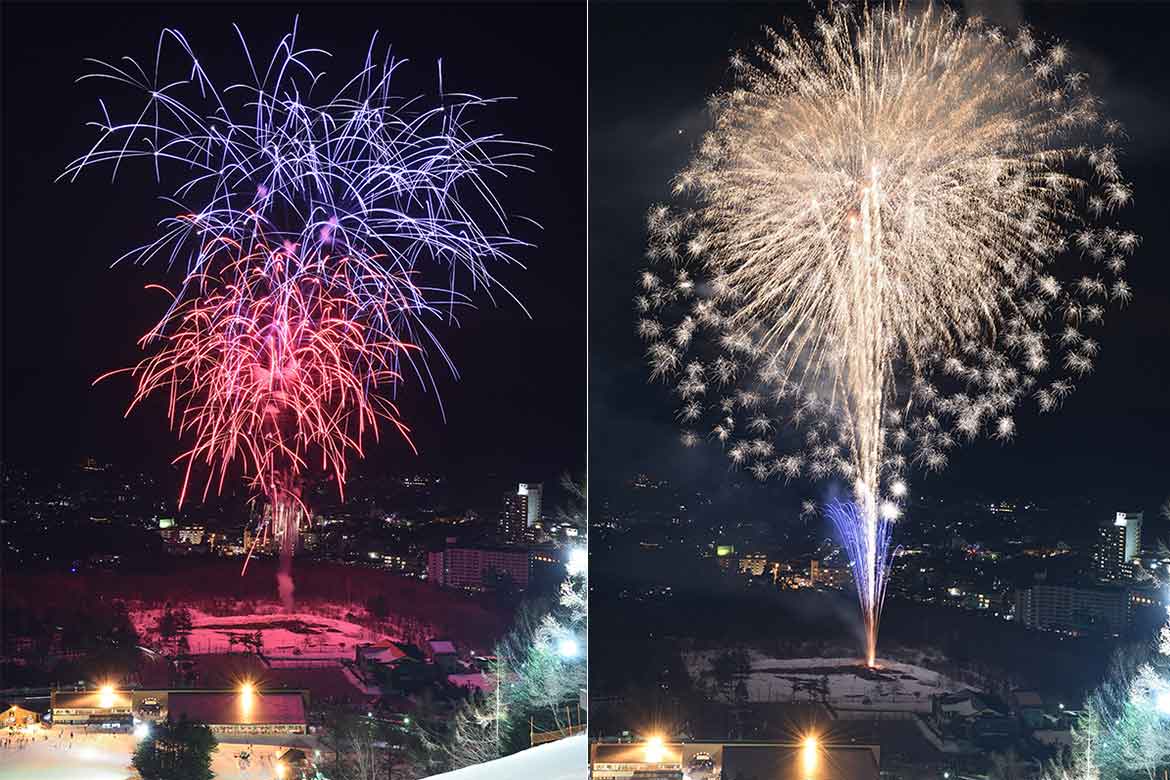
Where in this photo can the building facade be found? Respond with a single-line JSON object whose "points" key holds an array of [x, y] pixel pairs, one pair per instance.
{"points": [[472, 568], [1073, 609], [1119, 544]]}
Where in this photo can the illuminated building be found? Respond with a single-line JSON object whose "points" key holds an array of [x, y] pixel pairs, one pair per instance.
{"points": [[17, 716], [532, 493], [753, 564], [244, 711], [1072, 609], [1119, 544], [724, 554], [106, 705], [522, 513], [192, 534], [471, 567], [808, 759]]}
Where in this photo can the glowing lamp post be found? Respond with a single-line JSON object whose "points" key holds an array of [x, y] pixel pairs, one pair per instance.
{"points": [[247, 698], [655, 750], [810, 757], [578, 561]]}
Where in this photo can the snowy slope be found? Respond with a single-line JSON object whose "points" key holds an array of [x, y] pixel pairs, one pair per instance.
{"points": [[565, 759]]}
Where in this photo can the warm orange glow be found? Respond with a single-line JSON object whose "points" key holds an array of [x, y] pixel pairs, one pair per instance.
{"points": [[280, 770], [655, 750], [809, 756], [247, 697], [106, 697]]}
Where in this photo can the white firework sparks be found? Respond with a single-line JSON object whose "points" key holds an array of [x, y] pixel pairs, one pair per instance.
{"points": [[871, 245]]}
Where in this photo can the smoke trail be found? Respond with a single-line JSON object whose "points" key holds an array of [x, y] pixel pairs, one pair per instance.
{"points": [[284, 581]]}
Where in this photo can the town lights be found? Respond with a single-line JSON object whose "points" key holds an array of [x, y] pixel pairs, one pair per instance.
{"points": [[809, 756], [655, 750], [141, 730], [578, 561], [106, 697]]}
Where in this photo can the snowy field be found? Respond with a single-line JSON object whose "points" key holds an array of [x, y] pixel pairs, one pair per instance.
{"points": [[893, 685], [565, 759], [304, 634], [107, 757]]}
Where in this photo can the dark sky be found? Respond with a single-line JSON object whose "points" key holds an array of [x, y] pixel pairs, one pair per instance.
{"points": [[519, 409], [652, 68]]}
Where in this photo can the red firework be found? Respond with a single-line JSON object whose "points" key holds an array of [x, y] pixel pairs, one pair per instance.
{"points": [[279, 363]]}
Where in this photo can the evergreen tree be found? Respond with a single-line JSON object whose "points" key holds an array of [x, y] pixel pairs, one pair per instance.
{"points": [[180, 751], [1125, 732]]}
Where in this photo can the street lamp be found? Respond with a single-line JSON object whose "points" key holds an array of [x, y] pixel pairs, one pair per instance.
{"points": [[247, 697], [809, 756], [578, 561], [655, 750], [568, 648], [106, 697]]}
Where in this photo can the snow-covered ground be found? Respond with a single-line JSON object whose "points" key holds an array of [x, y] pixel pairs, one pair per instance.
{"points": [[893, 685], [304, 634], [107, 757], [565, 759]]}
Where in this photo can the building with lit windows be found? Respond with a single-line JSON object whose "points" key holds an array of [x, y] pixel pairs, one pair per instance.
{"points": [[1120, 543], [753, 564], [238, 713], [244, 711], [472, 568], [522, 515], [805, 760], [1074, 609]]}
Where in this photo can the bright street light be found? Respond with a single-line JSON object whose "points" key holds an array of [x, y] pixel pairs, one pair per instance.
{"points": [[655, 750], [578, 561], [568, 648], [809, 756]]}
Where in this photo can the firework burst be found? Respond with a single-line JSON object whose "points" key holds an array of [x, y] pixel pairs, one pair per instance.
{"points": [[322, 241], [870, 257]]}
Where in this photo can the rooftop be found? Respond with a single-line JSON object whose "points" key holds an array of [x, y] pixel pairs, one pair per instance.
{"points": [[232, 708]]}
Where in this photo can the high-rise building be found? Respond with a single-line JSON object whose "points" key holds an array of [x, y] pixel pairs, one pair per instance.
{"points": [[521, 513], [1119, 544], [531, 491]]}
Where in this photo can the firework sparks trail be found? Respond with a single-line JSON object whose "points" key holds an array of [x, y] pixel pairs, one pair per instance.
{"points": [[864, 255], [278, 366], [322, 240]]}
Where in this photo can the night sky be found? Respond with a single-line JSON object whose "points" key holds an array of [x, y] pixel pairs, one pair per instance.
{"points": [[650, 74], [518, 410]]}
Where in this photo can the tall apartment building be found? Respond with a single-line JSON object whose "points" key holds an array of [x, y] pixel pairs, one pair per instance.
{"points": [[1120, 542], [522, 512]]}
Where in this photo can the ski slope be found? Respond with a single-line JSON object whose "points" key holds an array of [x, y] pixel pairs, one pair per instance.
{"points": [[565, 759]]}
